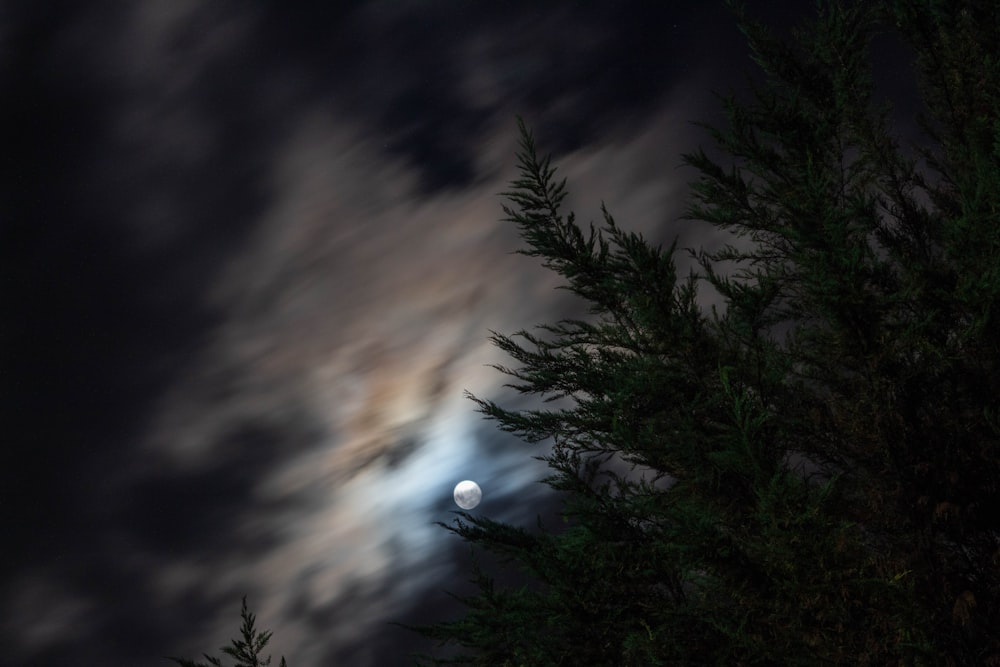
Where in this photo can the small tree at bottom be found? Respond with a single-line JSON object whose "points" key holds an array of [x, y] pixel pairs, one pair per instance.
{"points": [[247, 651]]}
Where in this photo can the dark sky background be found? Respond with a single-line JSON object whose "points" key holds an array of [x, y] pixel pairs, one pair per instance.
{"points": [[251, 255]]}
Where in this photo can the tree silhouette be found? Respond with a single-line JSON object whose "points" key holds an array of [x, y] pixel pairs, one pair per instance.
{"points": [[809, 474], [247, 651]]}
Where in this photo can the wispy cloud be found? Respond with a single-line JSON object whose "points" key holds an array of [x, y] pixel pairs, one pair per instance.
{"points": [[334, 215]]}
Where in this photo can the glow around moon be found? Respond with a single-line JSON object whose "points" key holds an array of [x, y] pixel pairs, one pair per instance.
{"points": [[467, 494]]}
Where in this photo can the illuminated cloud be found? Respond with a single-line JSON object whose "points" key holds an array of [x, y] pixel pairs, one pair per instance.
{"points": [[309, 207]]}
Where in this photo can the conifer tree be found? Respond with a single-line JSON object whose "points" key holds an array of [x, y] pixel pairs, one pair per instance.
{"points": [[815, 472], [247, 651]]}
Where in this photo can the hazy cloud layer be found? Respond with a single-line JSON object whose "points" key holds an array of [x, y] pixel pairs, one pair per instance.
{"points": [[272, 259]]}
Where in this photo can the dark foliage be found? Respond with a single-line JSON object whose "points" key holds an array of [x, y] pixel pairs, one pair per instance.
{"points": [[810, 474], [247, 651]]}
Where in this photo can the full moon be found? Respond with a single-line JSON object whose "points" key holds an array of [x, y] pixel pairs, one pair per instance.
{"points": [[467, 494]]}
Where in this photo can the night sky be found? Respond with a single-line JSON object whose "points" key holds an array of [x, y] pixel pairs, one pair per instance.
{"points": [[252, 253]]}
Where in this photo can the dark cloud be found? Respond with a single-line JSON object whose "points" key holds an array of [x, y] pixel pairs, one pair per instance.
{"points": [[252, 254]]}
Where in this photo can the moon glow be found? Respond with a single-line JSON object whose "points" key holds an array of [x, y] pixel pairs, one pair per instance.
{"points": [[467, 494]]}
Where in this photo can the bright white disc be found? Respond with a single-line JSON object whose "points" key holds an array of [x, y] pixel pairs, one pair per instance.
{"points": [[467, 494]]}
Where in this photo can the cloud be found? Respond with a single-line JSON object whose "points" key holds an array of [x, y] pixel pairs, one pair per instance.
{"points": [[45, 614], [310, 216], [365, 303]]}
